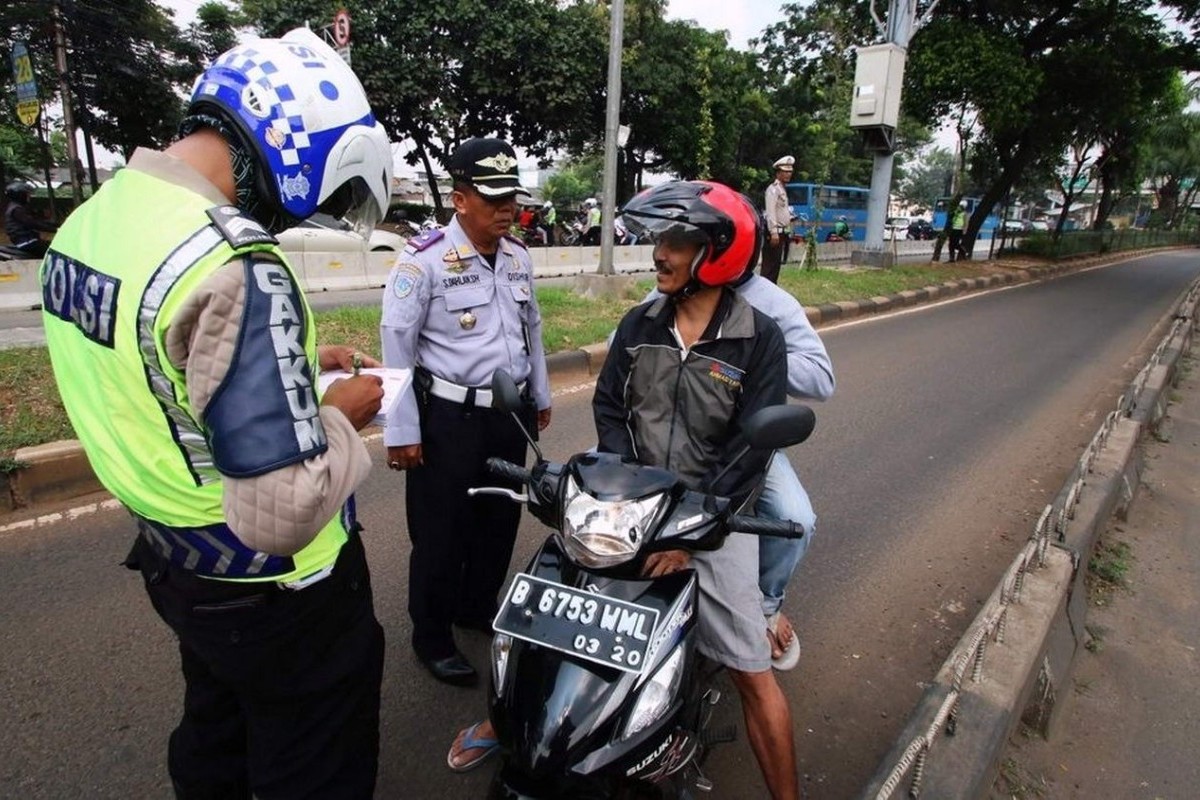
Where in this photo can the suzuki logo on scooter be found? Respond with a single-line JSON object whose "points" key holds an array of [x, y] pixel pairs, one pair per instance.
{"points": [[650, 759], [593, 588]]}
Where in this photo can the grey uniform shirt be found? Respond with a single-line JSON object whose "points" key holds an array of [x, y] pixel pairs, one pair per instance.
{"points": [[446, 309], [777, 210]]}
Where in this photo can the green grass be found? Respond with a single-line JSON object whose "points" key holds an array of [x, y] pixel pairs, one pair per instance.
{"points": [[1110, 562], [814, 287], [31, 413]]}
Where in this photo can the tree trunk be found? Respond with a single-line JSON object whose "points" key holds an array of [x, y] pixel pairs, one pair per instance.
{"points": [[1000, 188], [1104, 205], [439, 211], [1168, 199]]}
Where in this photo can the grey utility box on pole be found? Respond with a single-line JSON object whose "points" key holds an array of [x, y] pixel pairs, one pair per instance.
{"points": [[878, 79]]}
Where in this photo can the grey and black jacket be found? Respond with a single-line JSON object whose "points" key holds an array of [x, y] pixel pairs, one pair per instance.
{"points": [[682, 412]]}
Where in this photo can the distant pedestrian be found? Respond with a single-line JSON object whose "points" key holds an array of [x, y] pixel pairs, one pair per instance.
{"points": [[549, 221], [22, 226], [958, 223], [779, 218]]}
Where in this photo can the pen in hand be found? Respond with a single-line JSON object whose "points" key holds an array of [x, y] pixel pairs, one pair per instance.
{"points": [[356, 360]]}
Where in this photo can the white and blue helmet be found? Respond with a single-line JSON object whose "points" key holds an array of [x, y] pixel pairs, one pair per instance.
{"points": [[304, 114]]}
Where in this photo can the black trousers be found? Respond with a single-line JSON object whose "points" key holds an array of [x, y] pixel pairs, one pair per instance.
{"points": [[772, 256], [282, 687], [956, 247], [461, 545]]}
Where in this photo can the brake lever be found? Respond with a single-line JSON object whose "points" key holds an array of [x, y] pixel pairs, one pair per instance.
{"points": [[509, 493]]}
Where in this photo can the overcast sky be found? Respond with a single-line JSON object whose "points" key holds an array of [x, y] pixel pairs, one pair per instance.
{"points": [[743, 19]]}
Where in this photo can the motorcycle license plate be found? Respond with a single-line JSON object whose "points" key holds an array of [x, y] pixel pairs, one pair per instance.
{"points": [[594, 627]]}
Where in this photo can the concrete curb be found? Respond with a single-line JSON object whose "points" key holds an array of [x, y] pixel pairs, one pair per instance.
{"points": [[60, 470], [977, 702]]}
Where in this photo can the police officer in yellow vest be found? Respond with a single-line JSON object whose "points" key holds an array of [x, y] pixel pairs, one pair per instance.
{"points": [[186, 357]]}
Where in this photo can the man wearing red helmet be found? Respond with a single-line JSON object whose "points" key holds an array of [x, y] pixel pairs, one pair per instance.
{"points": [[725, 357], [703, 347]]}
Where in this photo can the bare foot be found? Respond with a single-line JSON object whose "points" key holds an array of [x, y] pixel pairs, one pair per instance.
{"points": [[781, 638]]}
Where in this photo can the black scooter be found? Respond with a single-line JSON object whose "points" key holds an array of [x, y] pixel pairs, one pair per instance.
{"points": [[597, 690]]}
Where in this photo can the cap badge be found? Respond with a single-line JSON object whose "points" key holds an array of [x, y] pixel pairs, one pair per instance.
{"points": [[501, 162]]}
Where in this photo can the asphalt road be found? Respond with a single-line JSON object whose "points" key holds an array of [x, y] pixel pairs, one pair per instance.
{"points": [[951, 428]]}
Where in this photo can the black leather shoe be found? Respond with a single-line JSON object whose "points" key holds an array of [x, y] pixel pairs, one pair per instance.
{"points": [[454, 669]]}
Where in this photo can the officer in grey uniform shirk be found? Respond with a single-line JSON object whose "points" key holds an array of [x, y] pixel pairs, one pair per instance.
{"points": [[459, 305]]}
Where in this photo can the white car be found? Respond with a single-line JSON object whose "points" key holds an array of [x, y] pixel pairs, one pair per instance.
{"points": [[896, 227], [322, 233]]}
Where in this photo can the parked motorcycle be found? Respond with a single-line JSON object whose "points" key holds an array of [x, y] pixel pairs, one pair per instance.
{"points": [[597, 690], [572, 234], [10, 253]]}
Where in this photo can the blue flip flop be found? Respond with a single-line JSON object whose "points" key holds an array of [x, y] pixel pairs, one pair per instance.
{"points": [[470, 741]]}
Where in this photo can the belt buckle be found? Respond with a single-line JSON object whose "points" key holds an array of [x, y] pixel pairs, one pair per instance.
{"points": [[307, 580]]}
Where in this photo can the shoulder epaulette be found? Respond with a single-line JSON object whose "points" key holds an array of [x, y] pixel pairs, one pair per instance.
{"points": [[424, 240], [512, 238], [238, 229]]}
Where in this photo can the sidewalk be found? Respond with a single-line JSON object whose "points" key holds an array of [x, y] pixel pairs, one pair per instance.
{"points": [[1130, 726]]}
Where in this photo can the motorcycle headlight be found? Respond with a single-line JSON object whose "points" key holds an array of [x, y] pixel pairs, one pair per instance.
{"points": [[603, 533], [501, 647], [656, 694]]}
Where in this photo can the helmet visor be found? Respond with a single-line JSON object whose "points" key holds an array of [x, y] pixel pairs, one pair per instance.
{"points": [[354, 202], [661, 229]]}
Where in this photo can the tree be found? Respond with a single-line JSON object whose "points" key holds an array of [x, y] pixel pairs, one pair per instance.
{"points": [[1023, 67], [928, 179], [576, 181], [128, 63], [440, 71]]}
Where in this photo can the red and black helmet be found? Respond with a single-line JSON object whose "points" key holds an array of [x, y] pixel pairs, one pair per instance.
{"points": [[721, 220]]}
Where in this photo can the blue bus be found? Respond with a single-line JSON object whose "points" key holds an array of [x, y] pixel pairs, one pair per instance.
{"points": [[834, 202], [990, 223]]}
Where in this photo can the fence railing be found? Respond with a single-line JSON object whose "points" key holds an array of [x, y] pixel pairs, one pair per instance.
{"points": [[1075, 243], [1052, 523]]}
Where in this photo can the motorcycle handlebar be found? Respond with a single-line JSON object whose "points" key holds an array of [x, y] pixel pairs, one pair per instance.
{"points": [[506, 469], [785, 529]]}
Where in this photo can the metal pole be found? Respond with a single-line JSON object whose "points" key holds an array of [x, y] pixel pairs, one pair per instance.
{"points": [[42, 137], [612, 122], [60, 59], [901, 20]]}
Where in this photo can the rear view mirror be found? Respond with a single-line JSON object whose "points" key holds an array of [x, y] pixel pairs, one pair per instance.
{"points": [[505, 395], [777, 427]]}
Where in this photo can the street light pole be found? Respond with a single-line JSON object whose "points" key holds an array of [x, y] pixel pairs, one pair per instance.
{"points": [[612, 122], [901, 24]]}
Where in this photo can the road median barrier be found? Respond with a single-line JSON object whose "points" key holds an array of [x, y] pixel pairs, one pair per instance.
{"points": [[1014, 662]]}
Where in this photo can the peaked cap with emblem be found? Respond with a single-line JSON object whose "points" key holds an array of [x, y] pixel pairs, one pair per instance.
{"points": [[490, 165], [784, 162]]}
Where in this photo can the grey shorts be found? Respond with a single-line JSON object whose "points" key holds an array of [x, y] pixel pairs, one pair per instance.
{"points": [[732, 630]]}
